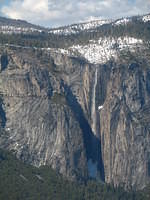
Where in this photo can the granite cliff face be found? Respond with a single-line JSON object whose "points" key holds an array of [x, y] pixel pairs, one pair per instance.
{"points": [[125, 129], [40, 126], [84, 110]]}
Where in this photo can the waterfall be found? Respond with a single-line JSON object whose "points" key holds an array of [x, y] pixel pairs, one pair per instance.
{"points": [[93, 162], [93, 109]]}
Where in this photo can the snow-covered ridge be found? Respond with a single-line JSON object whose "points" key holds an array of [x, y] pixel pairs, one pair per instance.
{"points": [[106, 48], [76, 28], [68, 30], [90, 26]]}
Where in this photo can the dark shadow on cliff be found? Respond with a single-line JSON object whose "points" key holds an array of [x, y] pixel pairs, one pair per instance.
{"points": [[4, 62], [92, 143], [2, 115]]}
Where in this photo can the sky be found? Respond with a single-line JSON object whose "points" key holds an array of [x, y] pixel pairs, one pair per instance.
{"points": [[54, 13]]}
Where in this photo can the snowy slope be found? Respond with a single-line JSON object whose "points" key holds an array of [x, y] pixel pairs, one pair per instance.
{"points": [[106, 48], [101, 51]]}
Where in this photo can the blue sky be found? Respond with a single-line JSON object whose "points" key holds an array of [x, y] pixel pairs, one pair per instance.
{"points": [[53, 13]]}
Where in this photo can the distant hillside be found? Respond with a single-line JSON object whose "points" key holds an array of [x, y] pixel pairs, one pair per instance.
{"points": [[9, 26]]}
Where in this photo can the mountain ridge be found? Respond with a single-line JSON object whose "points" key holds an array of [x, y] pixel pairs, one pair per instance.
{"points": [[68, 29]]}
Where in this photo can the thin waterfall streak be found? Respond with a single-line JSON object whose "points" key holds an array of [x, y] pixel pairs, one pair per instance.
{"points": [[93, 111]]}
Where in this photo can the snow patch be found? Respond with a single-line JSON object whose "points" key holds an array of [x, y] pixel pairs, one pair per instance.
{"points": [[23, 177], [100, 108], [62, 51], [39, 177], [122, 21], [146, 18], [92, 169]]}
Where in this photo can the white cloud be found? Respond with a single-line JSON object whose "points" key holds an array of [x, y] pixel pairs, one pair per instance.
{"points": [[62, 12]]}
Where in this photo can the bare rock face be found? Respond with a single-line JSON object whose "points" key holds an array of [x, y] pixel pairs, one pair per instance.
{"points": [[40, 126], [125, 130], [85, 120]]}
